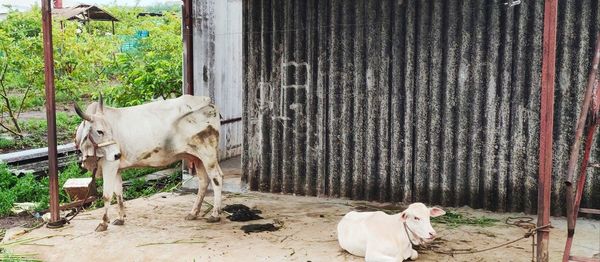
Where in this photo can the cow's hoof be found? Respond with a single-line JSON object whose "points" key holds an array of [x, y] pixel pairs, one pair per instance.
{"points": [[212, 219], [101, 227], [414, 255], [190, 217], [118, 222]]}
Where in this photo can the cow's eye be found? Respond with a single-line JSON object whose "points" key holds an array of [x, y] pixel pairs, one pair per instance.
{"points": [[100, 132], [416, 218]]}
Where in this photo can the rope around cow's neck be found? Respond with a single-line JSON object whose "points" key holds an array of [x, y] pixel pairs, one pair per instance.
{"points": [[409, 232]]}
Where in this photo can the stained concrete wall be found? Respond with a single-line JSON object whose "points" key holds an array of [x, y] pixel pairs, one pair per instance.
{"points": [[390, 100]]}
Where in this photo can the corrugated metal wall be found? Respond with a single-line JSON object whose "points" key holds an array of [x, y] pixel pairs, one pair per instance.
{"points": [[432, 101]]}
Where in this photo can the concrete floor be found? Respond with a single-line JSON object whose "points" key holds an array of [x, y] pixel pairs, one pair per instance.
{"points": [[156, 231]]}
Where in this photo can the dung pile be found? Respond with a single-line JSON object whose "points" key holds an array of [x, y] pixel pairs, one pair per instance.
{"points": [[242, 213]]}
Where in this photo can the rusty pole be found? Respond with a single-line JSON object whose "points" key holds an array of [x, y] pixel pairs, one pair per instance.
{"points": [[188, 48], [546, 124], [572, 202], [50, 109]]}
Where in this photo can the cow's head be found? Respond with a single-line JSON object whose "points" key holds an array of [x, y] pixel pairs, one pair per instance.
{"points": [[416, 217], [95, 134]]}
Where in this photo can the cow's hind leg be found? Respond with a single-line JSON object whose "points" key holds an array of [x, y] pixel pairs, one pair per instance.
{"points": [[198, 169], [119, 195], [216, 179]]}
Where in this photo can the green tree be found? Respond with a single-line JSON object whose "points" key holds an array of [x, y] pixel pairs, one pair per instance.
{"points": [[20, 68]]}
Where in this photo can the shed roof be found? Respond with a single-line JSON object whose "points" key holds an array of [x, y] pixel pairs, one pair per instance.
{"points": [[83, 12]]}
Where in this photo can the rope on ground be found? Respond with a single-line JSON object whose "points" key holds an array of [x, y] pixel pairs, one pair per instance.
{"points": [[522, 222]]}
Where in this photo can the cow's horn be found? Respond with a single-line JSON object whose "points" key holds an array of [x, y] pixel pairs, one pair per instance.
{"points": [[81, 113], [101, 102]]}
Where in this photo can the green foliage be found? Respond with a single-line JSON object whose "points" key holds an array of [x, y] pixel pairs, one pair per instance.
{"points": [[88, 61], [155, 69], [7, 198], [35, 130], [140, 188], [28, 188], [132, 173], [137, 189], [21, 66], [7, 180], [454, 219]]}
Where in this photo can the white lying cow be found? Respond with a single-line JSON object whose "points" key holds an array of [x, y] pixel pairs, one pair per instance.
{"points": [[152, 135], [378, 236]]}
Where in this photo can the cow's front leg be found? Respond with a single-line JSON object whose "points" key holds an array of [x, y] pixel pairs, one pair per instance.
{"points": [[109, 173], [106, 197], [216, 179], [119, 195]]}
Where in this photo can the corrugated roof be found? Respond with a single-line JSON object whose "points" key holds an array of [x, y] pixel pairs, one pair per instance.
{"points": [[83, 12]]}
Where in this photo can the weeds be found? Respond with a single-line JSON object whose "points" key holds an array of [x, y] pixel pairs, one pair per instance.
{"points": [[453, 219], [29, 188], [132, 173], [6, 143], [140, 188]]}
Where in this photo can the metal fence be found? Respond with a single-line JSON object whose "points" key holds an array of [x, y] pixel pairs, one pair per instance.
{"points": [[432, 101]]}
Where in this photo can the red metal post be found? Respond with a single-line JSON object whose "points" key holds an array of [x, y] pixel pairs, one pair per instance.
{"points": [[572, 201], [546, 124], [50, 109], [188, 48]]}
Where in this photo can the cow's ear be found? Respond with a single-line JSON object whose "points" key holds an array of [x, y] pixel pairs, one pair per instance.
{"points": [[403, 216], [436, 212]]}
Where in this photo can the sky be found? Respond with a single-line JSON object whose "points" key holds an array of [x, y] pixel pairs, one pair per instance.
{"points": [[28, 3]]}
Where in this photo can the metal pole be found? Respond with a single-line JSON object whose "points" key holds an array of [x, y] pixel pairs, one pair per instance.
{"points": [[188, 48], [50, 109], [546, 124]]}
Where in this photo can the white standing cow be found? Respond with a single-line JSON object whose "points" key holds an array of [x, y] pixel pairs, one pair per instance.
{"points": [[378, 236], [152, 135]]}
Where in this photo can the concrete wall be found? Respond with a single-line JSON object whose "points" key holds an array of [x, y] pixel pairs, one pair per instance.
{"points": [[416, 100]]}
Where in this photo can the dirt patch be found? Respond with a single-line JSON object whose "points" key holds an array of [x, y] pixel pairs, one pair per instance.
{"points": [[155, 230], [25, 220]]}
